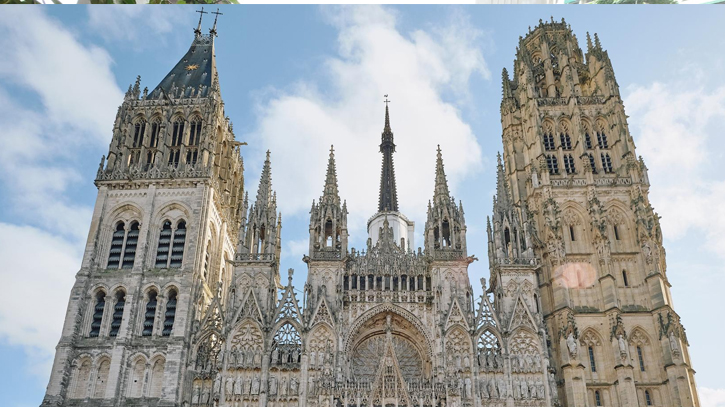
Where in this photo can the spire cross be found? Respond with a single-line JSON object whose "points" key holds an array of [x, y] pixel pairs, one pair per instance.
{"points": [[386, 101], [201, 14], [217, 14]]}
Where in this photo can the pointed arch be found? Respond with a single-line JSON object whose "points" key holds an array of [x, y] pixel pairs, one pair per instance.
{"points": [[82, 378], [137, 370], [458, 349], [246, 344], [286, 349], [156, 381], [101, 379], [321, 345]]}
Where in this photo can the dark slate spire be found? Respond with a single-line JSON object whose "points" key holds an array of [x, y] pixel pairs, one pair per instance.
{"points": [[194, 73], [388, 199], [330, 193]]}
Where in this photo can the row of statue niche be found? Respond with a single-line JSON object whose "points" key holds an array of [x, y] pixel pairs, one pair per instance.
{"points": [[318, 359], [458, 362], [525, 363], [285, 356], [252, 386], [237, 358], [521, 388], [201, 393], [490, 359]]}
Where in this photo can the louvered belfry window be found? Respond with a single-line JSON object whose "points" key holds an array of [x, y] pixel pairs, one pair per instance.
{"points": [[170, 314], [177, 246], [114, 256], [162, 252], [129, 251], [170, 252], [98, 314], [150, 315], [117, 313]]}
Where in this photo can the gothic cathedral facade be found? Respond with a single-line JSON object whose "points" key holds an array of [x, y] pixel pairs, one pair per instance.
{"points": [[180, 299]]}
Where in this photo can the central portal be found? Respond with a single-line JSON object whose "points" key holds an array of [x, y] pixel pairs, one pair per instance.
{"points": [[369, 342]]}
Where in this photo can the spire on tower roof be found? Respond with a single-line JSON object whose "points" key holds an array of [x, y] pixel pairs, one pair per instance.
{"points": [[388, 199], [265, 196], [195, 71], [441, 192], [212, 31], [330, 193]]}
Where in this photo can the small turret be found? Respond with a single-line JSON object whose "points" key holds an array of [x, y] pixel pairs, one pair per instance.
{"points": [[259, 239], [328, 220], [445, 228]]}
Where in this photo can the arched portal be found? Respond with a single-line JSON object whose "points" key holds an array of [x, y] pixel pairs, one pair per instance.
{"points": [[367, 345]]}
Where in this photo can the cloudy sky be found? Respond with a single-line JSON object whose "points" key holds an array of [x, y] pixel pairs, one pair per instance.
{"points": [[297, 79]]}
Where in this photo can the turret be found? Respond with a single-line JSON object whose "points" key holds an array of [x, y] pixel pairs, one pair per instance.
{"points": [[328, 219], [445, 227]]}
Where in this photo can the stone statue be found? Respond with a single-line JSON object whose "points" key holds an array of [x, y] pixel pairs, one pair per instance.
{"points": [[229, 387], [484, 390], [517, 389], [283, 387], [197, 395], [571, 344], [217, 385], [293, 386], [273, 386], [247, 386], [295, 356], [532, 389], [502, 388], [275, 356], [238, 386], [255, 385], [524, 389], [673, 344], [468, 387], [622, 346]]}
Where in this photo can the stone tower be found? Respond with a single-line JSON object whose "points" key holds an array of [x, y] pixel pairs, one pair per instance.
{"points": [[573, 195], [163, 234]]}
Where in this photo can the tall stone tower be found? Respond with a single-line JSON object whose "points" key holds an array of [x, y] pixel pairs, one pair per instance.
{"points": [[163, 234], [573, 196]]}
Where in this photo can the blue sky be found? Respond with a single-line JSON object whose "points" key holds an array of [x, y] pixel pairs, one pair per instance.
{"points": [[297, 79]]}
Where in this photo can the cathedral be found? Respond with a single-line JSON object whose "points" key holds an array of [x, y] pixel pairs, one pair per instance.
{"points": [[180, 299]]}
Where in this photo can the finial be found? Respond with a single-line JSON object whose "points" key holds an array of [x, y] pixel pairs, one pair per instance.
{"points": [[213, 30], [596, 41], [290, 272], [589, 41], [201, 14]]}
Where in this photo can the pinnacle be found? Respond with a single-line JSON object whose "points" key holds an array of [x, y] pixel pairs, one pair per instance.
{"points": [[441, 192], [264, 193], [330, 192]]}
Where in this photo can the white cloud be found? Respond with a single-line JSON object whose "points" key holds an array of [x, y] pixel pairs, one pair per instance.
{"points": [[40, 268], [678, 132], [134, 24], [59, 100], [711, 397], [374, 58]]}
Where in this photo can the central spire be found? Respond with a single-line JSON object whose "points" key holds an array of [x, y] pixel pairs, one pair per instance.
{"points": [[388, 199]]}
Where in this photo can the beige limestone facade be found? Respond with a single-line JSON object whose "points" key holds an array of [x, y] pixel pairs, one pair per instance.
{"points": [[180, 301]]}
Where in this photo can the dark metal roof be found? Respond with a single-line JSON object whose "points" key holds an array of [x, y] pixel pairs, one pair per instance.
{"points": [[194, 73]]}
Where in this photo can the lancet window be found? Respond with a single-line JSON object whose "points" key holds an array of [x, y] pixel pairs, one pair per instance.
{"points": [[587, 141], [592, 163], [592, 360], [606, 163], [118, 313], [565, 141], [647, 397], [286, 346], [170, 313], [569, 164], [123, 246], [602, 140], [549, 142], [552, 163], [597, 398], [170, 251], [149, 314], [98, 314]]}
